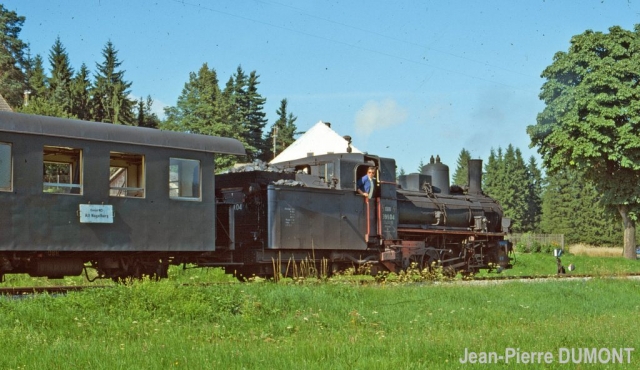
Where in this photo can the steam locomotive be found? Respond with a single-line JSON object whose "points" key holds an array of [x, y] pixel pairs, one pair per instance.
{"points": [[310, 206], [129, 201]]}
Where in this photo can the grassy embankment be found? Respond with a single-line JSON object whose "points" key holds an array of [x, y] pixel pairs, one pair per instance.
{"points": [[149, 325], [596, 261]]}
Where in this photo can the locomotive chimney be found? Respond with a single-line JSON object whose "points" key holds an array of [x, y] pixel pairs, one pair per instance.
{"points": [[475, 176]]}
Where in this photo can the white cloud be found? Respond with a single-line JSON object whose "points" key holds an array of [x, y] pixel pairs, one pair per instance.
{"points": [[375, 115], [157, 107]]}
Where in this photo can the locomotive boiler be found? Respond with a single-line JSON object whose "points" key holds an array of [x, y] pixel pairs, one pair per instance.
{"points": [[310, 209]]}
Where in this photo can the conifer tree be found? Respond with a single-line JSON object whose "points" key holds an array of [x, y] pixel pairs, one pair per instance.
{"points": [[39, 100], [507, 180], [283, 130], [420, 165], [37, 78], [14, 64], [110, 101], [255, 118], [460, 176], [80, 94], [146, 118], [514, 191], [241, 92], [570, 206], [203, 109], [558, 205], [61, 74], [533, 196], [492, 179]]}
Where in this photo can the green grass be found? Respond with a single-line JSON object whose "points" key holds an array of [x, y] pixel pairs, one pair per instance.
{"points": [[541, 264], [526, 264], [176, 273], [151, 325]]}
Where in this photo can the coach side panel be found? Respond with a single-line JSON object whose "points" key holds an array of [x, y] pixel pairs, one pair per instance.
{"points": [[158, 199]]}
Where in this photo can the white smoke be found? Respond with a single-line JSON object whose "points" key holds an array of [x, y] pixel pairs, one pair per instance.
{"points": [[375, 115]]}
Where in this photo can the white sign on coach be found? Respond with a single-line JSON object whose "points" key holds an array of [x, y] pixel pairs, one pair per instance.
{"points": [[96, 214]]}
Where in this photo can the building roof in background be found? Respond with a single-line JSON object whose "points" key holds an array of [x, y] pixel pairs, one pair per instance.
{"points": [[4, 106], [319, 139]]}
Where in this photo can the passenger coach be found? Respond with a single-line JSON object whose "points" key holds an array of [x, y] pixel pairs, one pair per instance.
{"points": [[75, 192]]}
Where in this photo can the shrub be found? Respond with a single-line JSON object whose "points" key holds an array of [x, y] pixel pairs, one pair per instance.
{"points": [[547, 248], [535, 247], [521, 247]]}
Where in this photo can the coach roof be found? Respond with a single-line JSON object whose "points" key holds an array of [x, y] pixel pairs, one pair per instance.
{"points": [[85, 130]]}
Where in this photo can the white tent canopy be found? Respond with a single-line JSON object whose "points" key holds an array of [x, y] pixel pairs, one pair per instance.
{"points": [[319, 139]]}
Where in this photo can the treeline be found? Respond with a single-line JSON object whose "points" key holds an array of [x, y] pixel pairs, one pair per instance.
{"points": [[564, 203], [104, 95]]}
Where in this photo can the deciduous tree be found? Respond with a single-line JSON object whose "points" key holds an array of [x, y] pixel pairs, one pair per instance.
{"points": [[592, 118]]}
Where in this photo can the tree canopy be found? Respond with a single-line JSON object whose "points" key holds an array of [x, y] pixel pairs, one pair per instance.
{"points": [[460, 176], [282, 132], [592, 118], [110, 94], [13, 60], [507, 179], [570, 207]]}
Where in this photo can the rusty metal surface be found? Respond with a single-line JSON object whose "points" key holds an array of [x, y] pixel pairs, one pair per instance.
{"points": [[449, 232]]}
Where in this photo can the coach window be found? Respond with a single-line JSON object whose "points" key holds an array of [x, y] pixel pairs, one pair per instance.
{"points": [[62, 170], [126, 175], [5, 167], [184, 179]]}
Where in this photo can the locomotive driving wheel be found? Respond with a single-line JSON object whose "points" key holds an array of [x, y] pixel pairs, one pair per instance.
{"points": [[416, 261], [432, 258], [447, 269]]}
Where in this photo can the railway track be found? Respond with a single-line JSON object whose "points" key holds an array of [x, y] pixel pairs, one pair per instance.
{"points": [[19, 291]]}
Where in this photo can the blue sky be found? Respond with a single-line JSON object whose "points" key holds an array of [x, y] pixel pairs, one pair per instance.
{"points": [[406, 79]]}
